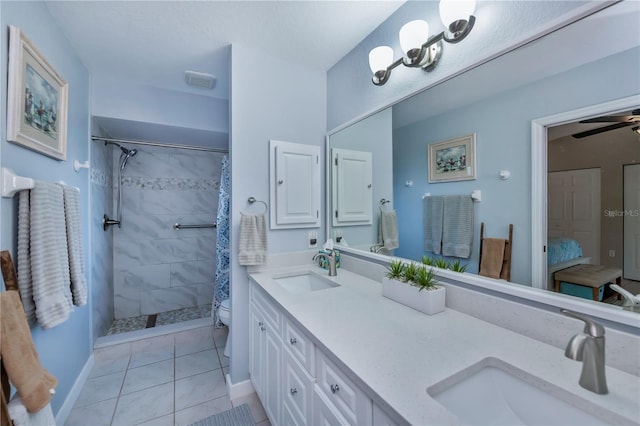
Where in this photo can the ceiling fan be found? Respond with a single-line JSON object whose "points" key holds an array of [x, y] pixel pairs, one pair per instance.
{"points": [[621, 120]]}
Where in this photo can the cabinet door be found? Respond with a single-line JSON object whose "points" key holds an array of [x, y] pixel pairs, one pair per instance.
{"points": [[297, 391], [272, 375], [256, 345], [295, 185], [352, 187]]}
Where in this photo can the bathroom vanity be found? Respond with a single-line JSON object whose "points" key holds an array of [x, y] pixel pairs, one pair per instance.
{"points": [[333, 350]]}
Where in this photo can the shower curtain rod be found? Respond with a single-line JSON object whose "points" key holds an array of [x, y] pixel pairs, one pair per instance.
{"points": [[160, 144]]}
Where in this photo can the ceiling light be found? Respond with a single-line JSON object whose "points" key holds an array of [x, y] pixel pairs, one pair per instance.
{"points": [[420, 50]]}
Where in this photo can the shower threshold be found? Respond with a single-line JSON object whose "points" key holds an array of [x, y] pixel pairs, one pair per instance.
{"points": [[125, 325]]}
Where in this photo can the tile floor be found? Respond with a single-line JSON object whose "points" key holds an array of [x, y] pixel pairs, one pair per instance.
{"points": [[173, 379]]}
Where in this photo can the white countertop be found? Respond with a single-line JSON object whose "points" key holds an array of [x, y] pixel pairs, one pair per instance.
{"points": [[395, 353]]}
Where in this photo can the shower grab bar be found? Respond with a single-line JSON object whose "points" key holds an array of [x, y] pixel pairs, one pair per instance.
{"points": [[179, 226]]}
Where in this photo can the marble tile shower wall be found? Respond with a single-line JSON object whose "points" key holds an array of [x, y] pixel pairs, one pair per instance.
{"points": [[101, 242], [158, 268]]}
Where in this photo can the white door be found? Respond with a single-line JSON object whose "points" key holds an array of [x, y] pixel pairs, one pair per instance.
{"points": [[352, 177], [632, 222], [574, 209]]}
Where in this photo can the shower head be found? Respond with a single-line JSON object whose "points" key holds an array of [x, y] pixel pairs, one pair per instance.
{"points": [[129, 152], [126, 154]]}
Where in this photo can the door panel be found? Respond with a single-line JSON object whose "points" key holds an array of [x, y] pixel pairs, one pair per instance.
{"points": [[632, 222], [574, 208]]}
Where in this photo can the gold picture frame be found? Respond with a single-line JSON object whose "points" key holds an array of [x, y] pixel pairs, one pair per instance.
{"points": [[37, 100], [452, 160]]}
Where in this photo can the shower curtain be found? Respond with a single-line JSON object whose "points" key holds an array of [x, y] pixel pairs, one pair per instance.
{"points": [[221, 291]]}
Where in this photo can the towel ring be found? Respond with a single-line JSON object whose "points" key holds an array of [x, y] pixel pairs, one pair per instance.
{"points": [[252, 200]]}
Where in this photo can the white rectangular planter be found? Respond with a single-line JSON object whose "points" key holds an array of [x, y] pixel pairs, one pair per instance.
{"points": [[428, 301]]}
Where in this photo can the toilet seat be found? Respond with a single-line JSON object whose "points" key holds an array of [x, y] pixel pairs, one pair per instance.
{"points": [[224, 312]]}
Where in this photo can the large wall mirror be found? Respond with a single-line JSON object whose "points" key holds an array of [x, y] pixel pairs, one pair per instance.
{"points": [[576, 68]]}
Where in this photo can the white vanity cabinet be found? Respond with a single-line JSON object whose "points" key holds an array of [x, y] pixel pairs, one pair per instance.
{"points": [[296, 382]]}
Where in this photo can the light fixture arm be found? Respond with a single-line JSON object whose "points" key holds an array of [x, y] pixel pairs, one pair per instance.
{"points": [[459, 30], [428, 55]]}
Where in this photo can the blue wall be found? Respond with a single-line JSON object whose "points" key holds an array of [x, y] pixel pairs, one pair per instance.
{"points": [[502, 124], [64, 349], [279, 100]]}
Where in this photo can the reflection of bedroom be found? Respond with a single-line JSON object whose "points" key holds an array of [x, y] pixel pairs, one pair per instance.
{"points": [[589, 217]]}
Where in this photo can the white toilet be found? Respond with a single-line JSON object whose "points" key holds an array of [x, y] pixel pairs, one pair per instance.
{"points": [[224, 313]]}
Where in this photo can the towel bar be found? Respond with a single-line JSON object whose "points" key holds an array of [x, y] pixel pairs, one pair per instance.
{"points": [[179, 226], [12, 183]]}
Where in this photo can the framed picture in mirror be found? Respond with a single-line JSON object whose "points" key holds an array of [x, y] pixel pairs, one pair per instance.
{"points": [[452, 160], [36, 100]]}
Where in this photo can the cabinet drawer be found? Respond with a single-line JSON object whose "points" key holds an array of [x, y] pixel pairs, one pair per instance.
{"points": [[297, 392], [352, 403], [301, 347], [324, 413], [266, 306]]}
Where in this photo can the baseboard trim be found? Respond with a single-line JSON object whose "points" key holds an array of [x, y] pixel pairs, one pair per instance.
{"points": [[74, 393], [240, 389]]}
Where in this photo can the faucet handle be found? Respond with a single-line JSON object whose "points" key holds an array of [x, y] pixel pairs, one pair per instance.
{"points": [[591, 328]]}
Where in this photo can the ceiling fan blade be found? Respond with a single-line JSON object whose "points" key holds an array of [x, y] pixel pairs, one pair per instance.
{"points": [[601, 130], [623, 118]]}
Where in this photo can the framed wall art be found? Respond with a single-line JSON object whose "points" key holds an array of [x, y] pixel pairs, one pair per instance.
{"points": [[37, 98], [452, 160]]}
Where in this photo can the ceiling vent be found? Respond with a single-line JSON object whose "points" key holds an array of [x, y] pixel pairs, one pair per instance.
{"points": [[199, 79]]}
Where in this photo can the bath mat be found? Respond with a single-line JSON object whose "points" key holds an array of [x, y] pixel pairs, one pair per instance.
{"points": [[237, 416]]}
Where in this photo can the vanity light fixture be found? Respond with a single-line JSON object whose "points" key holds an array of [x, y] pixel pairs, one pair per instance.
{"points": [[420, 50]]}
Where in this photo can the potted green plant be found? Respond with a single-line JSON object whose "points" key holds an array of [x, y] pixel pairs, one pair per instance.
{"points": [[415, 286]]}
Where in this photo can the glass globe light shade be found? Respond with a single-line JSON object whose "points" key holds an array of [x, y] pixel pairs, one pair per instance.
{"points": [[456, 10], [380, 58], [413, 34]]}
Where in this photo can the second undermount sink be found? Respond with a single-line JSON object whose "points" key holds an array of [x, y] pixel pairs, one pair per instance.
{"points": [[489, 393], [305, 283]]}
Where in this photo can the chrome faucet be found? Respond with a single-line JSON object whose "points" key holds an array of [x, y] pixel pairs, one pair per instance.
{"points": [[588, 347], [331, 258]]}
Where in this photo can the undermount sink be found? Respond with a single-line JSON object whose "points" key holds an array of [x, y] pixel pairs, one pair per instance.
{"points": [[305, 283], [489, 393]]}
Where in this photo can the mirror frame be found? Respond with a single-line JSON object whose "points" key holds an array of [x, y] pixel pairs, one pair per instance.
{"points": [[538, 196]]}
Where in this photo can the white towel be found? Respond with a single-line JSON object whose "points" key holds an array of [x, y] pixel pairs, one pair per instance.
{"points": [[457, 226], [74, 244], [253, 240], [21, 417], [433, 211], [388, 229], [43, 268]]}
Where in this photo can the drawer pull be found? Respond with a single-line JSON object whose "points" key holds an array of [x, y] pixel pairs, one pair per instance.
{"points": [[263, 328], [293, 340], [260, 323], [293, 391], [334, 388]]}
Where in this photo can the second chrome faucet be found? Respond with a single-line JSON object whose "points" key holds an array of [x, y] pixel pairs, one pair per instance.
{"points": [[588, 347]]}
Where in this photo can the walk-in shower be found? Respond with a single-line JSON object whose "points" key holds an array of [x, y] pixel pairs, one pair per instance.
{"points": [[151, 273], [125, 155]]}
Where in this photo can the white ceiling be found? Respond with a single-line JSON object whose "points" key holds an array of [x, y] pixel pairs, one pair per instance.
{"points": [[154, 42]]}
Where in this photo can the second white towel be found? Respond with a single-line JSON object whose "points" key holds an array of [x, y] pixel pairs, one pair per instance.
{"points": [[253, 240]]}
